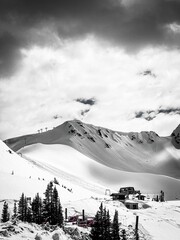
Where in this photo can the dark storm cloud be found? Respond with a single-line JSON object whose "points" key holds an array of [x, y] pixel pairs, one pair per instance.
{"points": [[151, 114], [132, 26], [9, 53]]}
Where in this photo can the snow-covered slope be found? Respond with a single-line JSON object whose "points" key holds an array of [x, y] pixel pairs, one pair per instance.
{"points": [[19, 174], [88, 180], [143, 152], [73, 170], [61, 157]]}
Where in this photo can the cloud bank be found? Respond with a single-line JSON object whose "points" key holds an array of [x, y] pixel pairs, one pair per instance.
{"points": [[113, 63], [44, 92], [132, 25]]}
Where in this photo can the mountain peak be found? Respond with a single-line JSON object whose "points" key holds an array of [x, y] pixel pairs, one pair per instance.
{"points": [[134, 151], [176, 137]]}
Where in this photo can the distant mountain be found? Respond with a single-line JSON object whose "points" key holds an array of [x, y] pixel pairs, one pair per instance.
{"points": [[176, 137], [144, 152]]}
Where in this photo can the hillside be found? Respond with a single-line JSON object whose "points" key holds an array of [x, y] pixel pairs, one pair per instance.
{"points": [[83, 182], [77, 168], [143, 152]]}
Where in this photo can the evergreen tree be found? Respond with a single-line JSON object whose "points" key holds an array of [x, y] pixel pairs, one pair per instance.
{"points": [[47, 203], [22, 208], [37, 216], [15, 210], [95, 233], [115, 227], [98, 229], [60, 215], [29, 214], [5, 213], [52, 210], [107, 226], [57, 216]]}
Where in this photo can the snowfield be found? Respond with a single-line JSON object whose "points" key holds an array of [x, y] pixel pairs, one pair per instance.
{"points": [[84, 179], [143, 152]]}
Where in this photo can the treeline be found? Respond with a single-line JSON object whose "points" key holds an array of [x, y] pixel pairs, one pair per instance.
{"points": [[39, 210], [105, 229]]}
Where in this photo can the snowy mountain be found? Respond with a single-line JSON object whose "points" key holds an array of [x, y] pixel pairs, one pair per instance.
{"points": [[176, 137], [143, 152], [86, 174]]}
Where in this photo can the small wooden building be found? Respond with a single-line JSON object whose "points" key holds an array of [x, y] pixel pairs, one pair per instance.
{"points": [[140, 197], [131, 204], [128, 190], [118, 196]]}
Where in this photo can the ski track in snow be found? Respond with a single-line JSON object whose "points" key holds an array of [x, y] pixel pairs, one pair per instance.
{"points": [[159, 222], [55, 171]]}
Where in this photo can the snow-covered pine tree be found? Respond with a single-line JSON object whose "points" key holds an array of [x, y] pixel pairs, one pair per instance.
{"points": [[37, 215], [5, 213], [115, 227], [60, 215], [96, 228], [15, 210], [22, 208], [106, 225], [57, 216], [47, 203], [29, 214], [101, 228]]}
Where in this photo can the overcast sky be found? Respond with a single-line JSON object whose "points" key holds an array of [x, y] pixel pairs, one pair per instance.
{"points": [[112, 63]]}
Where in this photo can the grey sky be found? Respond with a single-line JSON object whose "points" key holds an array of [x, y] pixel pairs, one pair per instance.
{"points": [[122, 53], [131, 24]]}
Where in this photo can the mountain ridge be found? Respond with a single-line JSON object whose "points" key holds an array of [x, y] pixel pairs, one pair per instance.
{"points": [[133, 152]]}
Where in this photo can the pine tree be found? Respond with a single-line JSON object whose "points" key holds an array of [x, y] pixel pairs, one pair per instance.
{"points": [[22, 208], [107, 226], [5, 213], [115, 227], [52, 210], [57, 216], [95, 230], [15, 210], [29, 214], [98, 229], [37, 215], [60, 215], [47, 203]]}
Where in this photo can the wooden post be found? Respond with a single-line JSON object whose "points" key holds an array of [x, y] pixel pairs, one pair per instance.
{"points": [[136, 228], [65, 213], [83, 215]]}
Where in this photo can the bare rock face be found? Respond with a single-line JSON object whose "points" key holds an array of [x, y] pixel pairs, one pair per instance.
{"points": [[56, 236], [4, 233], [176, 137], [38, 237]]}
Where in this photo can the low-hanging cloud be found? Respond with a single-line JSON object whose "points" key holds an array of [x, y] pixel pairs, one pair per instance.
{"points": [[89, 101], [131, 26], [148, 72], [51, 80], [151, 114]]}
